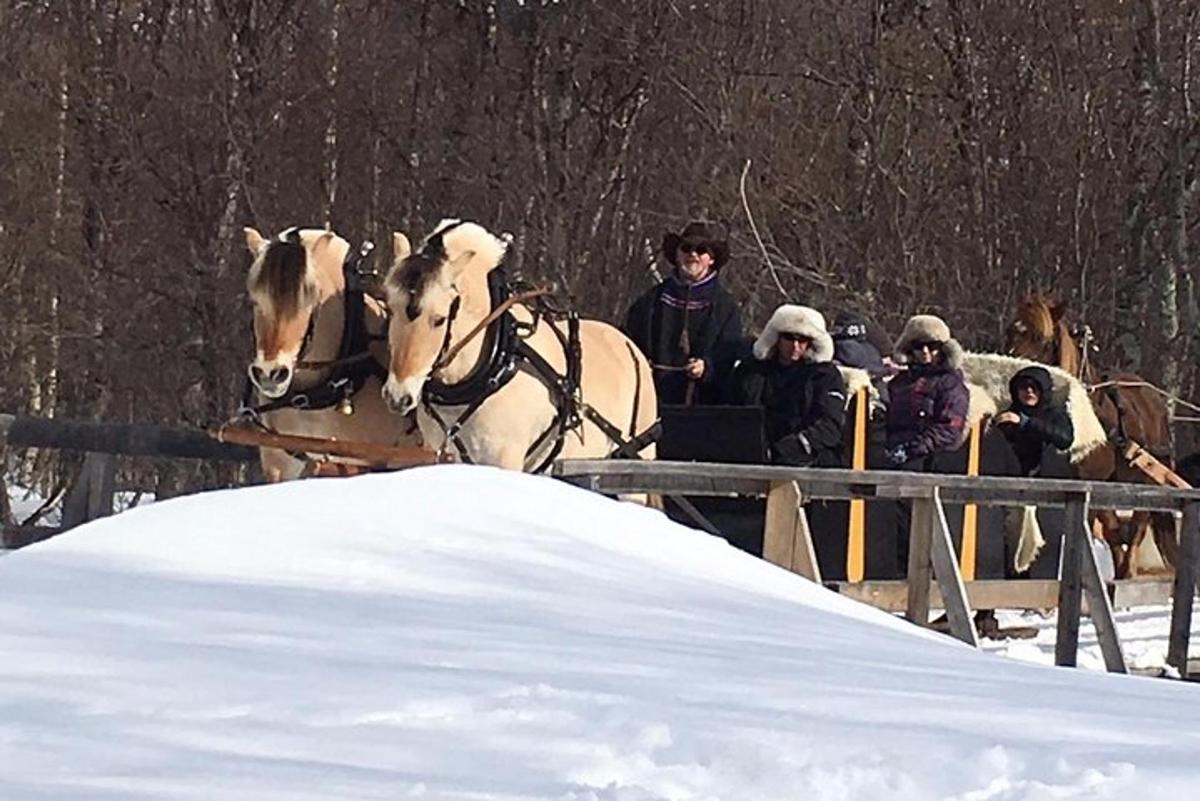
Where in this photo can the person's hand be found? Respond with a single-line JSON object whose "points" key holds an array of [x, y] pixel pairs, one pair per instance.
{"points": [[793, 449], [694, 369], [896, 456], [1008, 419]]}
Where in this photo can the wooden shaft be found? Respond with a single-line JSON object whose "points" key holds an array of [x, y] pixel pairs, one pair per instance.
{"points": [[970, 527], [856, 536], [1070, 588], [371, 452], [1186, 577]]}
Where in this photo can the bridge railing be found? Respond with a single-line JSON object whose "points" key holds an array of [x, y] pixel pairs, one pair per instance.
{"points": [[932, 563]]}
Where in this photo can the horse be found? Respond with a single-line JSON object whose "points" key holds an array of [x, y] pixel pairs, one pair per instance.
{"points": [[320, 350], [506, 383], [1128, 408]]}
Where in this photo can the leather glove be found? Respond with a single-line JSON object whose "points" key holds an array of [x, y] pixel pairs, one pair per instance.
{"points": [[896, 456], [793, 449]]}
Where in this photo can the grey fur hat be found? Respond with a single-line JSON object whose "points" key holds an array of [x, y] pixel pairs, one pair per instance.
{"points": [[793, 319], [928, 328]]}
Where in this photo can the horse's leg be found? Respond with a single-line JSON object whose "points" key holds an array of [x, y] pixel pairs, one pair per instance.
{"points": [[279, 466]]}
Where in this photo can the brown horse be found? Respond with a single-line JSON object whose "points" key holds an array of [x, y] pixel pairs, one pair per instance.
{"points": [[1129, 410], [318, 368]]}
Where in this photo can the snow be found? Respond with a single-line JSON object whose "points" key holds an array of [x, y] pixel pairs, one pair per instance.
{"points": [[459, 632]]}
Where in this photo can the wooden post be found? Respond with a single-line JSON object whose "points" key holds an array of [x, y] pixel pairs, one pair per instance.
{"points": [[919, 566], [1187, 574], [857, 540], [970, 510], [950, 581], [787, 540], [1100, 607], [92, 495], [1070, 588]]}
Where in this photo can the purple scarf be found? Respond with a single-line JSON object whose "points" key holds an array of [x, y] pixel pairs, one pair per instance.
{"points": [[679, 294]]}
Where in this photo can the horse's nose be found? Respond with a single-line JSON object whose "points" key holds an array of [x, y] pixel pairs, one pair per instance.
{"points": [[280, 375], [256, 375], [398, 402]]}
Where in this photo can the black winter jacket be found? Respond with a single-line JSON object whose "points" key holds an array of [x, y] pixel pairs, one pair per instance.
{"points": [[804, 406], [1045, 430], [715, 334]]}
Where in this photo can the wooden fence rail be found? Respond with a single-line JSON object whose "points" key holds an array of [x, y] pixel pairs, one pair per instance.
{"points": [[932, 561]]}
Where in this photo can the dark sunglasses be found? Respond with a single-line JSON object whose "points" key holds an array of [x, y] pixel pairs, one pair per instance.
{"points": [[700, 249], [788, 336], [932, 347]]}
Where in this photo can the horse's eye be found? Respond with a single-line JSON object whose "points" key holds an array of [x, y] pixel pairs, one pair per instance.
{"points": [[438, 321], [1019, 327]]}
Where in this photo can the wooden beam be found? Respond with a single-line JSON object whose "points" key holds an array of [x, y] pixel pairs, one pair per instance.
{"points": [[920, 546], [372, 452], [1187, 573], [131, 439], [804, 555], [949, 580], [892, 596], [970, 524], [20, 536], [1099, 607], [787, 540], [704, 478], [856, 534], [1130, 593], [1070, 593]]}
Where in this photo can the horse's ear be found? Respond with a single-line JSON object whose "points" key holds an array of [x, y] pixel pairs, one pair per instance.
{"points": [[1058, 310], [459, 263], [254, 240], [401, 247]]}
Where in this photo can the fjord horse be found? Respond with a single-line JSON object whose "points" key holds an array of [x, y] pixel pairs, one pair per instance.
{"points": [[504, 383], [319, 358], [1129, 410]]}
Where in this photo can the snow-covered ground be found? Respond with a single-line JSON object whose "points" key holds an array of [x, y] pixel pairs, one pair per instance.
{"points": [[463, 633]]}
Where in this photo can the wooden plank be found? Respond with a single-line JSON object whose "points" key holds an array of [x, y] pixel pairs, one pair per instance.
{"points": [[970, 545], [1070, 593], [857, 533], [779, 527], [1033, 594], [804, 554], [373, 452], [702, 478], [102, 481], [133, 439], [949, 580], [1143, 460], [1187, 573], [1130, 593], [20, 536], [919, 561], [1099, 607]]}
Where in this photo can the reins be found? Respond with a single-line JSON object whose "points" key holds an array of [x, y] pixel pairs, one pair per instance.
{"points": [[500, 310]]}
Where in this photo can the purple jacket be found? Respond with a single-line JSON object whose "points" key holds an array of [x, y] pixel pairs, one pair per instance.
{"points": [[928, 410]]}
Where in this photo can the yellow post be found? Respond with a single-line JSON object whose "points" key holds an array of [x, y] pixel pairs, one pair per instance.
{"points": [[970, 512], [855, 562]]}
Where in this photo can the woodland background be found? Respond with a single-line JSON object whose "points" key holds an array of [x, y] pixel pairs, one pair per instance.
{"points": [[907, 155]]}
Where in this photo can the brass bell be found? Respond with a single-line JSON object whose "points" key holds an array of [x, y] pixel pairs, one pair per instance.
{"points": [[345, 406]]}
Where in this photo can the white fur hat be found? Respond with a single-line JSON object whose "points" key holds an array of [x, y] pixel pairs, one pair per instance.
{"points": [[802, 320], [928, 328]]}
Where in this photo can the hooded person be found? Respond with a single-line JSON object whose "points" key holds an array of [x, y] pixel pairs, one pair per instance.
{"points": [[1038, 429], [688, 326], [792, 376], [852, 347], [928, 402]]}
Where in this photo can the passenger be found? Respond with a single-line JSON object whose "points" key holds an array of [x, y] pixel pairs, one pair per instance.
{"points": [[1039, 430], [927, 402], [802, 393], [688, 326], [851, 346]]}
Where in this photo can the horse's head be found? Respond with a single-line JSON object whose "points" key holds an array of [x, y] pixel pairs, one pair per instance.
{"points": [[1034, 331], [291, 274], [427, 291]]}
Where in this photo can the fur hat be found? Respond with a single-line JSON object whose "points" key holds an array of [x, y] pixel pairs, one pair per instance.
{"points": [[697, 233], [928, 328], [802, 320]]}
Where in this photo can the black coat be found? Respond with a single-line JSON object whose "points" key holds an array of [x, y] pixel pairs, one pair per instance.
{"points": [[715, 335], [1045, 431], [804, 405]]}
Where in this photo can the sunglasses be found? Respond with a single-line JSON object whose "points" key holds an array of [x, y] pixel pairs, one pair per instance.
{"points": [[699, 249], [932, 347], [788, 336]]}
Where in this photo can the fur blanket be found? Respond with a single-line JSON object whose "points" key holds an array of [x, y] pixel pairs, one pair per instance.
{"points": [[989, 374]]}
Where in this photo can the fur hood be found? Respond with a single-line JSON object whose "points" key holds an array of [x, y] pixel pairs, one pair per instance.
{"points": [[792, 319], [928, 328]]}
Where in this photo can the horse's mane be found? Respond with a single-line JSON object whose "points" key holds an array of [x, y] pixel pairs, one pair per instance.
{"points": [[449, 240], [1034, 313], [279, 277]]}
